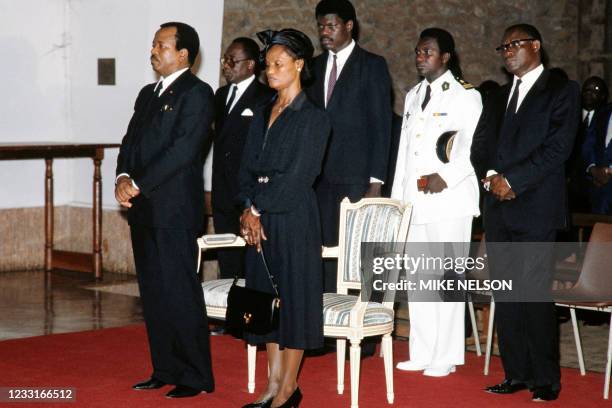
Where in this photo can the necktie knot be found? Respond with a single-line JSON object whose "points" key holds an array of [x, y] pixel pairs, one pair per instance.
{"points": [[159, 88], [513, 104]]}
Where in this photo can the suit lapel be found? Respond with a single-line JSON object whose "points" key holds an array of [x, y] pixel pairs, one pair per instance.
{"points": [[532, 95], [345, 75], [319, 87]]}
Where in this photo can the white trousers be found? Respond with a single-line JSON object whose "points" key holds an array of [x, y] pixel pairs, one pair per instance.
{"points": [[437, 329]]}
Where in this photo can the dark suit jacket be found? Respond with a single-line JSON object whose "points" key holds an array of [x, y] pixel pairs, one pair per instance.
{"points": [[530, 152], [360, 114], [230, 136], [289, 153], [162, 152], [594, 151]]}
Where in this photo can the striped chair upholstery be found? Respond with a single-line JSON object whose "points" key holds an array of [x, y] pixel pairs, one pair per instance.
{"points": [[215, 291], [337, 310], [370, 223]]}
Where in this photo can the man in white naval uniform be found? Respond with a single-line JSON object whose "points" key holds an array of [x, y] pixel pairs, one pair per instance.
{"points": [[444, 208]]}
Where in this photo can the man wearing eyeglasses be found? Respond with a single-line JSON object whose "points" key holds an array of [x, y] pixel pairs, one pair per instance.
{"points": [[235, 105], [523, 138], [354, 87], [443, 192]]}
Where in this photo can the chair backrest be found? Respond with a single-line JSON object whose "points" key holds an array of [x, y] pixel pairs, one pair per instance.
{"points": [[368, 220], [596, 273]]}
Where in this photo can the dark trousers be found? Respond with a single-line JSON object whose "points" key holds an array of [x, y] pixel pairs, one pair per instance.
{"points": [[231, 260], [329, 197], [173, 306], [527, 331]]}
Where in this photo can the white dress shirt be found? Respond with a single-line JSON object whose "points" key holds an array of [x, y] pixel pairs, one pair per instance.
{"points": [[527, 82], [240, 88], [341, 57], [589, 114]]}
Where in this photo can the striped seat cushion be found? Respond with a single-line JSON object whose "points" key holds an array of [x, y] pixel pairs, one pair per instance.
{"points": [[337, 310], [215, 291]]}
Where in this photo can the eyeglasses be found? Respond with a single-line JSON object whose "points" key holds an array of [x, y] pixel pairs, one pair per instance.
{"points": [[428, 52], [330, 27], [232, 62], [513, 45]]}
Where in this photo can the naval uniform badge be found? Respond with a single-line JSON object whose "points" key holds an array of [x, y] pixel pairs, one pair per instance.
{"points": [[445, 86]]}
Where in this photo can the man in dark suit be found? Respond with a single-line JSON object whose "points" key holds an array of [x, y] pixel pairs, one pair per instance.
{"points": [[597, 153], [354, 87], [594, 97], [523, 138], [235, 105], [159, 180]]}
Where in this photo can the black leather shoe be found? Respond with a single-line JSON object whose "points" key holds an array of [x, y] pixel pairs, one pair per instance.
{"points": [[151, 384], [506, 387], [294, 400], [183, 391], [545, 394], [217, 331], [263, 404]]}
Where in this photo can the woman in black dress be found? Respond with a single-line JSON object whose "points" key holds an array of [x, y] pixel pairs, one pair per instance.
{"points": [[282, 158]]}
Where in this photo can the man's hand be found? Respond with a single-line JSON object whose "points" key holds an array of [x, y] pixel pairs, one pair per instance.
{"points": [[600, 175], [435, 184], [374, 190], [251, 229], [498, 186], [125, 191]]}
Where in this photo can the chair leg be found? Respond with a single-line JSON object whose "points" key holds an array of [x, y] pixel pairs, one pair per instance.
{"points": [[199, 261], [489, 337], [355, 366], [387, 347], [577, 341], [609, 363], [474, 328], [251, 362], [340, 361]]}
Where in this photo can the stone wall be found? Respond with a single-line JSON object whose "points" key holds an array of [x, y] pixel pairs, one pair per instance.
{"points": [[594, 53], [390, 28], [574, 32]]}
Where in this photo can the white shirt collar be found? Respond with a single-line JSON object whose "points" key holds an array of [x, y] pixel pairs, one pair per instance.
{"points": [[167, 81], [240, 88], [527, 82], [341, 56], [436, 85]]}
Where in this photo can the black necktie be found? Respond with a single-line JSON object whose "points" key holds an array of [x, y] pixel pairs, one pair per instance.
{"points": [[511, 110], [231, 99], [427, 97], [159, 89]]}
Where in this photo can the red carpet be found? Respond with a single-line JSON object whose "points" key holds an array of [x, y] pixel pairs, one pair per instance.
{"points": [[103, 364]]}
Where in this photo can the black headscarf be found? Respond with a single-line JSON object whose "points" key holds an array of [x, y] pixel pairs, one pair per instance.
{"points": [[296, 41]]}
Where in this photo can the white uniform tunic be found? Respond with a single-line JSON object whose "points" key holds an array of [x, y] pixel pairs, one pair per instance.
{"points": [[437, 329]]}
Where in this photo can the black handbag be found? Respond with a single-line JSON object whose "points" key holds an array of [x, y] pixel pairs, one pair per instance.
{"points": [[251, 310]]}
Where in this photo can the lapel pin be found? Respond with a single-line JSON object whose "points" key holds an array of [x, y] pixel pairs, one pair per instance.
{"points": [[445, 86]]}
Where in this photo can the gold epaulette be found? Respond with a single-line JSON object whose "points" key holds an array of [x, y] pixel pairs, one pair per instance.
{"points": [[466, 85]]}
